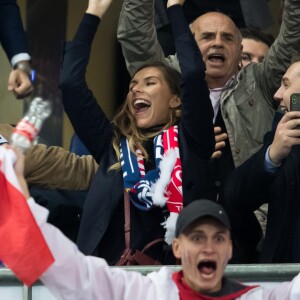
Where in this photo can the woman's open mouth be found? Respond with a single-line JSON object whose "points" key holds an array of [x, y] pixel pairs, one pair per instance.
{"points": [[141, 105]]}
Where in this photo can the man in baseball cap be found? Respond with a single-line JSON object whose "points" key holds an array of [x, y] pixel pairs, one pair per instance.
{"points": [[199, 209], [203, 244]]}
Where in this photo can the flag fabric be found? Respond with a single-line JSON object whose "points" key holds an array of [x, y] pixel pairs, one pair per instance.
{"points": [[23, 248]]}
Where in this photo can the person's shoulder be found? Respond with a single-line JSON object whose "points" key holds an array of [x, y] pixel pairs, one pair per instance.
{"points": [[172, 61], [248, 74]]}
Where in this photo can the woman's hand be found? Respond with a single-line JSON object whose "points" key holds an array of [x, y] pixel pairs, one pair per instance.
{"points": [[98, 7], [174, 2]]}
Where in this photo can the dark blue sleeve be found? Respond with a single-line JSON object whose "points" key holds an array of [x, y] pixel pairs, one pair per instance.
{"points": [[197, 111], [83, 110], [12, 35], [87, 29]]}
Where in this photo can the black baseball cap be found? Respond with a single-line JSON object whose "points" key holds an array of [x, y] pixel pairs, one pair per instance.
{"points": [[199, 209]]}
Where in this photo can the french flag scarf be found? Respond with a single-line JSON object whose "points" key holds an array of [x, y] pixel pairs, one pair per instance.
{"points": [[161, 186]]}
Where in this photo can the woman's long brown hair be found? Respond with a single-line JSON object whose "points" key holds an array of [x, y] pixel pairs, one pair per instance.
{"points": [[125, 123]]}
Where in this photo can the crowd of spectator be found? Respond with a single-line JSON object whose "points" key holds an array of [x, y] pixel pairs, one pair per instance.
{"points": [[209, 114]]}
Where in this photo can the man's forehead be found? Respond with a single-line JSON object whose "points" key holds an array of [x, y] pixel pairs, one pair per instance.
{"points": [[293, 70], [213, 21], [292, 73], [201, 225], [255, 43]]}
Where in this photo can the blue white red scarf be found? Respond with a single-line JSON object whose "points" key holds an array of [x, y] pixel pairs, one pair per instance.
{"points": [[161, 186]]}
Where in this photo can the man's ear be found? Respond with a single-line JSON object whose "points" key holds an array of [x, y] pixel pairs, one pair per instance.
{"points": [[240, 64], [175, 102], [230, 251], [176, 247]]}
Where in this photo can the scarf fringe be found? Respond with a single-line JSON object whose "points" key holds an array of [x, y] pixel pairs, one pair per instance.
{"points": [[170, 225], [166, 167]]}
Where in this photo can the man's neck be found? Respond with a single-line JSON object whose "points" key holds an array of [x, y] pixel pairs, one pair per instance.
{"points": [[214, 83], [230, 289]]}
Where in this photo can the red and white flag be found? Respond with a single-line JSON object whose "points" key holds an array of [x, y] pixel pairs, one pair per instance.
{"points": [[23, 248]]}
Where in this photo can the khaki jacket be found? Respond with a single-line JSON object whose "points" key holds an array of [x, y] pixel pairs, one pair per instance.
{"points": [[247, 105], [55, 168]]}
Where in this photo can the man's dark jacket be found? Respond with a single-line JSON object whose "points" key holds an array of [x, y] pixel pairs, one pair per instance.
{"points": [[12, 35], [250, 186]]}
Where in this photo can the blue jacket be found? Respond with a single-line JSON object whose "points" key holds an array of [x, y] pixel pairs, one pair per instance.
{"points": [[12, 35]]}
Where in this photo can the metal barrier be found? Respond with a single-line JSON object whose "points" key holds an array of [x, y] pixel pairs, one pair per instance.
{"points": [[259, 273]]}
